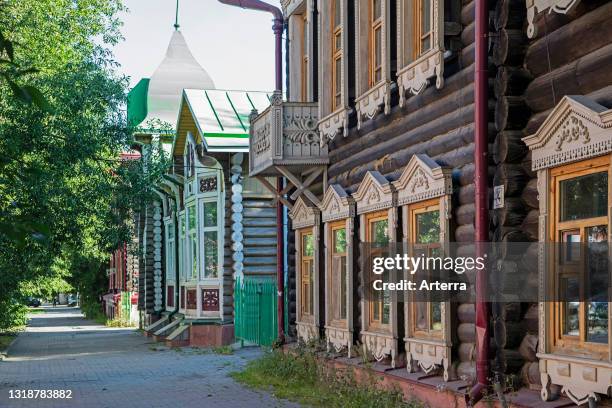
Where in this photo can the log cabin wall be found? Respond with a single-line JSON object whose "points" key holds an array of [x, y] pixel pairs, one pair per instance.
{"points": [[439, 123], [570, 55]]}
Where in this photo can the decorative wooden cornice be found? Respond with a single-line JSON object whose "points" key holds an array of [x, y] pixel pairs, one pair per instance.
{"points": [[337, 204], [578, 128], [374, 193], [304, 214], [422, 179], [537, 6]]}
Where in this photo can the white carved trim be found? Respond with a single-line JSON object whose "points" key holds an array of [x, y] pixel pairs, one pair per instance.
{"points": [[307, 332], [304, 214], [580, 379], [576, 129], [339, 339], [422, 179], [414, 77], [429, 356], [380, 345], [332, 124], [374, 193], [369, 104], [535, 7], [337, 204]]}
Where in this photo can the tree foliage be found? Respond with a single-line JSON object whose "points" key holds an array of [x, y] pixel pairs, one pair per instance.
{"points": [[66, 196]]}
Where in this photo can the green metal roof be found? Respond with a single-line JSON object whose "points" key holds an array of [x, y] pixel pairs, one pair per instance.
{"points": [[137, 102], [222, 117]]}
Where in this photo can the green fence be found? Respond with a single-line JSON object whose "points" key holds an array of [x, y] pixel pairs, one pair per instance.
{"points": [[256, 319]]}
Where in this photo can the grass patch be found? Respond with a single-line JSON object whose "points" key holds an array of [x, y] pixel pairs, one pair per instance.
{"points": [[302, 378], [35, 311], [225, 350], [117, 323], [7, 336]]}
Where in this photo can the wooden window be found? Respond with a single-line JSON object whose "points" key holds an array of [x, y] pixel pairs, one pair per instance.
{"points": [[193, 241], [376, 42], [425, 241], [211, 239], [579, 223], [170, 251], [304, 57], [336, 48], [423, 31], [377, 235], [307, 271], [338, 284]]}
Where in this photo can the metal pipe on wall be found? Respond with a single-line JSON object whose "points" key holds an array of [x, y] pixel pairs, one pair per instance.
{"points": [[277, 28], [481, 227]]}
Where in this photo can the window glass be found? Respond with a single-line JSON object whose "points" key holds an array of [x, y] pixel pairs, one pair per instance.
{"points": [[308, 244], [377, 54], [380, 233], [376, 9], [210, 254], [339, 273], [191, 217], [210, 214], [584, 197], [337, 11], [428, 227], [425, 25], [340, 240], [597, 268]]}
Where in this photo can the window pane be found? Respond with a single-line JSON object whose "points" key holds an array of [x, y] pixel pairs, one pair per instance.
{"points": [[170, 229], [376, 9], [210, 214], [571, 246], [386, 300], [210, 254], [425, 17], [571, 309], [308, 245], [337, 41], [340, 240], [584, 197], [597, 284], [380, 233], [436, 316], [194, 256], [428, 227], [425, 44], [192, 217], [421, 315], [339, 287], [337, 12], [378, 47]]}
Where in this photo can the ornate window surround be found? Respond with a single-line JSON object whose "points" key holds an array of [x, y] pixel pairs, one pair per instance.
{"points": [[170, 258], [423, 180], [332, 121], [413, 77], [338, 207], [535, 7], [305, 214], [577, 129], [376, 193], [295, 12], [369, 99]]}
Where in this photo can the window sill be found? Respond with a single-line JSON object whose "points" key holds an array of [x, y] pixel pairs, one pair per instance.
{"points": [[414, 77], [380, 344], [330, 125], [307, 331], [429, 354], [368, 105], [339, 338], [580, 378]]}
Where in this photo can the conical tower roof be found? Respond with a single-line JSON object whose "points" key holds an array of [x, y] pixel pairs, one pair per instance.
{"points": [[179, 70]]}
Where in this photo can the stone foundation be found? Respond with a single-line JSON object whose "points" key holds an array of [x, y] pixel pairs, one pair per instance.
{"points": [[211, 335]]}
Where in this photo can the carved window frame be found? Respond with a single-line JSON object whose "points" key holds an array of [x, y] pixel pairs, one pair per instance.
{"points": [[577, 129], [333, 118], [371, 97], [415, 69], [376, 194], [170, 240], [305, 216], [423, 183], [535, 7], [337, 211]]}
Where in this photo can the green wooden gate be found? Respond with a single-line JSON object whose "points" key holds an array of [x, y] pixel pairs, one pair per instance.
{"points": [[256, 319]]}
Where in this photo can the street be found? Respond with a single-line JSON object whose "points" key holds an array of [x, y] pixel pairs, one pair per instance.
{"points": [[118, 367]]}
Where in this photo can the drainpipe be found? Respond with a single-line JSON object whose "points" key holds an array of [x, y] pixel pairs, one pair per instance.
{"points": [[277, 28], [481, 233]]}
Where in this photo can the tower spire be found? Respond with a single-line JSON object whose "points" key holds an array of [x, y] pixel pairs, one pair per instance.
{"points": [[176, 24]]}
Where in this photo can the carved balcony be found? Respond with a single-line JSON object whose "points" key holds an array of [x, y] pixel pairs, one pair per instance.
{"points": [[284, 138]]}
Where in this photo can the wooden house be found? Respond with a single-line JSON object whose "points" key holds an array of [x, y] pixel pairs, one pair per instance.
{"points": [[380, 112]]}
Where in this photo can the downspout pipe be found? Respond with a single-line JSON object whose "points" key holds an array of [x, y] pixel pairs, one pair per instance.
{"points": [[481, 227], [277, 28]]}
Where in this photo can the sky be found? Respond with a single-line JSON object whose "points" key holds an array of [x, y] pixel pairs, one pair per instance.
{"points": [[235, 46]]}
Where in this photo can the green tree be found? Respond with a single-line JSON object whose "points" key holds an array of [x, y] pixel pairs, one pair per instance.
{"points": [[65, 196]]}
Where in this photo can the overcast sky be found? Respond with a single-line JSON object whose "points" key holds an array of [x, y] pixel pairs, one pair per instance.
{"points": [[235, 46]]}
